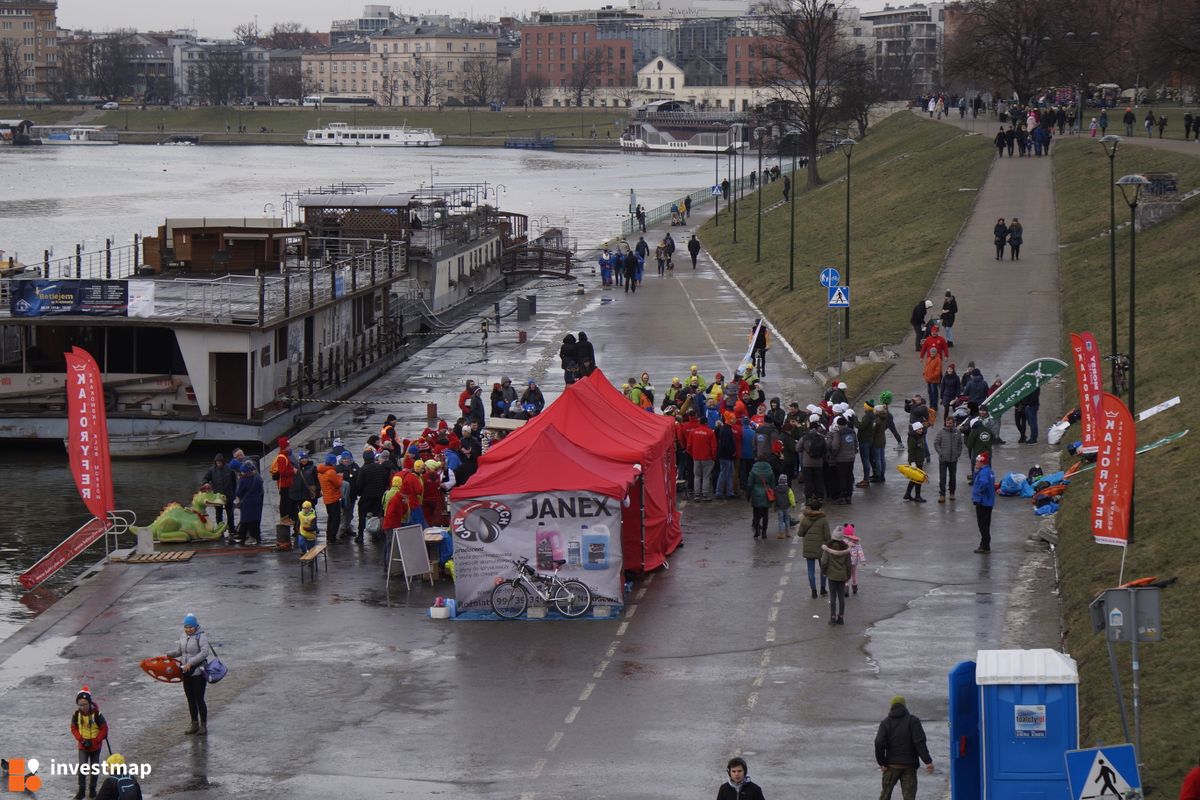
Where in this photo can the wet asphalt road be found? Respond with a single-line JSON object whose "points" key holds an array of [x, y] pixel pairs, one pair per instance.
{"points": [[337, 689]]}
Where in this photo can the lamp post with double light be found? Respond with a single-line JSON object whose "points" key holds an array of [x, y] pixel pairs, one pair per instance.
{"points": [[1131, 189], [847, 148], [792, 223], [1110, 143]]}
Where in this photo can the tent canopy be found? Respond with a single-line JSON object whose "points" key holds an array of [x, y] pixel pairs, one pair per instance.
{"points": [[548, 463]]}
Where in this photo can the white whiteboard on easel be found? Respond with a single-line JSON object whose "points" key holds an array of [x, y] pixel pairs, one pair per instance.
{"points": [[407, 555]]}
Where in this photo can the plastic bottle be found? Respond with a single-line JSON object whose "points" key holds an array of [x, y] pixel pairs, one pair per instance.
{"points": [[548, 547], [574, 549], [596, 548]]}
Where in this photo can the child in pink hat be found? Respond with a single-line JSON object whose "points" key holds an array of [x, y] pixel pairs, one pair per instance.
{"points": [[857, 554]]}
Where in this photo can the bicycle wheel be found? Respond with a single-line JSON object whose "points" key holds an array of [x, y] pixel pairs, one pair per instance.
{"points": [[573, 598], [509, 600]]}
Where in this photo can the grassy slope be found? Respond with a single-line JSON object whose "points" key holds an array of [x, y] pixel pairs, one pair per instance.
{"points": [[573, 123], [1167, 505], [905, 212]]}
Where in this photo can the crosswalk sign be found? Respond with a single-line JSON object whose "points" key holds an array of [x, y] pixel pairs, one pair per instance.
{"points": [[716, 190], [1102, 772], [839, 296]]}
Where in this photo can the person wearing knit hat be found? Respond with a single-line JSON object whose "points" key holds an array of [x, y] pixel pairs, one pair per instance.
{"points": [[330, 480], [899, 747], [193, 652], [917, 320], [121, 783], [248, 498], [983, 495], [917, 450], [857, 554], [90, 729]]}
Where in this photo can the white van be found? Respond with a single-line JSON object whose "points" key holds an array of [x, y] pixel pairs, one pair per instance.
{"points": [[287, 101]]}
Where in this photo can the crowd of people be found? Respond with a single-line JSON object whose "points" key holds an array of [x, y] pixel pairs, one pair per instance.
{"points": [[625, 266]]}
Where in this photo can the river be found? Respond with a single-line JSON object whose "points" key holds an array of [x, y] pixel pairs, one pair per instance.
{"points": [[53, 197]]}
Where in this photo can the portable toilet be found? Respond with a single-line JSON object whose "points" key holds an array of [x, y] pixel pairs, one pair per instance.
{"points": [[1009, 733]]}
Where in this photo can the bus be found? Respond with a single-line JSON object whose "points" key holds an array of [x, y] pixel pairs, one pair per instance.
{"points": [[339, 100]]}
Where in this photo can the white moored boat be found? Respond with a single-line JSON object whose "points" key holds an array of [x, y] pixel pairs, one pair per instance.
{"points": [[147, 445], [75, 134], [341, 134]]}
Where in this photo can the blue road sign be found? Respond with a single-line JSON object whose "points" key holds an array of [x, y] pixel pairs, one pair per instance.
{"points": [[839, 296], [1101, 772], [716, 191], [830, 277]]}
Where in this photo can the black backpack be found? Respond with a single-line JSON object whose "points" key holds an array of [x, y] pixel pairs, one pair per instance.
{"points": [[127, 788], [816, 444]]}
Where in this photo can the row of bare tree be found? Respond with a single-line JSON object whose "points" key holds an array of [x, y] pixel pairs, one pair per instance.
{"points": [[1021, 46]]}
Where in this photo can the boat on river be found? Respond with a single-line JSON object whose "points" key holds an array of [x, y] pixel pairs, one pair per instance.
{"points": [[147, 445], [677, 127], [342, 134], [238, 329], [75, 134]]}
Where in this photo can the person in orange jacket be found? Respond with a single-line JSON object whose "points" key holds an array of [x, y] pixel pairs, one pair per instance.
{"points": [[331, 492], [283, 472], [90, 729]]}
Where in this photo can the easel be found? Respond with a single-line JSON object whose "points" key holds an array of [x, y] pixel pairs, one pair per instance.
{"points": [[406, 550]]}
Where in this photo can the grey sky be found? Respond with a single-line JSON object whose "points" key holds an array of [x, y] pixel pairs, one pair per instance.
{"points": [[216, 18]]}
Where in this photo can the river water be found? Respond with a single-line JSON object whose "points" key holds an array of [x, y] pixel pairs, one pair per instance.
{"points": [[53, 197]]}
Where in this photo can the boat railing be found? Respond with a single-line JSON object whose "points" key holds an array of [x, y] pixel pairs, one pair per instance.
{"points": [[403, 127], [691, 117]]}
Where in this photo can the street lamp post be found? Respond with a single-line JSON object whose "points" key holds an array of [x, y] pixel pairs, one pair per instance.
{"points": [[760, 133], [847, 148], [716, 180], [731, 170], [792, 224], [1110, 143], [1131, 188]]}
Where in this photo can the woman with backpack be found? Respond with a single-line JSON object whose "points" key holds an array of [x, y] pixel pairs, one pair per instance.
{"points": [[761, 495], [193, 652]]}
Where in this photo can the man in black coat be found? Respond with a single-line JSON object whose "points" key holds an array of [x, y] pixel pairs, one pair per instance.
{"points": [[222, 480], [372, 481], [694, 249], [899, 743], [917, 320]]}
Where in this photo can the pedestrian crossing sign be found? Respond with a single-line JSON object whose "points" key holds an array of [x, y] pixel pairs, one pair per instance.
{"points": [[839, 296], [1102, 772], [716, 191]]}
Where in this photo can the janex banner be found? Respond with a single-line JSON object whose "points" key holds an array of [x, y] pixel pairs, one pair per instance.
{"points": [[1087, 377], [578, 527], [1112, 488], [1024, 381], [41, 298]]}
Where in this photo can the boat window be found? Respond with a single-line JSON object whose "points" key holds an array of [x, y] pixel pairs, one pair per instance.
{"points": [[387, 136]]}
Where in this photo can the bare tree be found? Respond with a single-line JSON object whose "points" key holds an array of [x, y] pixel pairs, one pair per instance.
{"points": [[247, 32], [424, 77], [113, 67], [10, 70], [1013, 43], [809, 61], [585, 75], [859, 93], [532, 90], [480, 80], [1169, 38], [222, 79], [291, 36]]}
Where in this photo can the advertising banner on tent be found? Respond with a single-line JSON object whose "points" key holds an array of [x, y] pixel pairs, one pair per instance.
{"points": [[1023, 381], [1087, 377], [1112, 489], [580, 528]]}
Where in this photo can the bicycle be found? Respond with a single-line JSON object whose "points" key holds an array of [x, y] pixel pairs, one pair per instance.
{"points": [[510, 598], [1120, 378]]}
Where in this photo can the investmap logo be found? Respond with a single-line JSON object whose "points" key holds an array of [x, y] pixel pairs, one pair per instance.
{"points": [[20, 775]]}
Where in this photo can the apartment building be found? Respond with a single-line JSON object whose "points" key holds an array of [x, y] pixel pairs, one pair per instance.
{"points": [[338, 69], [435, 65], [559, 63], [28, 49], [908, 47], [220, 72]]}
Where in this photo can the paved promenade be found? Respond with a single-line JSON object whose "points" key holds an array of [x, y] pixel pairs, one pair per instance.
{"points": [[337, 688]]}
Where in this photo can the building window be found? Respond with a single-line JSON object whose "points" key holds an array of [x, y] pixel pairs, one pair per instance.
{"points": [[574, 54], [660, 83], [672, 83], [562, 38], [574, 37], [622, 53], [562, 54]]}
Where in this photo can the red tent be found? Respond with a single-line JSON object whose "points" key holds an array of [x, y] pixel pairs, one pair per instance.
{"points": [[549, 463], [597, 419]]}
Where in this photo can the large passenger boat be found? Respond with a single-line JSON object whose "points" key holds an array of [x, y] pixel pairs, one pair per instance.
{"points": [[235, 329], [676, 127], [74, 134], [342, 134]]}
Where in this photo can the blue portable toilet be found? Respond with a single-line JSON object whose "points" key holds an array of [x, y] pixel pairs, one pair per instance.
{"points": [[1013, 713]]}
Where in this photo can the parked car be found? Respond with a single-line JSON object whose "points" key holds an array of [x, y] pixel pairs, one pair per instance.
{"points": [[111, 105]]}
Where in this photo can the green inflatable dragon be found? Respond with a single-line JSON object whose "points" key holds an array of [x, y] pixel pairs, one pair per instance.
{"points": [[178, 524]]}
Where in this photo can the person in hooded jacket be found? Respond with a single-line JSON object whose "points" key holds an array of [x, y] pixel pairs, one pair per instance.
{"points": [[476, 409], [249, 501], [739, 786], [899, 743], [835, 567], [949, 315], [917, 452], [950, 388], [223, 481], [568, 359], [305, 486], [762, 478], [331, 494], [814, 531], [90, 729], [533, 397], [975, 387], [917, 319], [776, 414], [370, 484], [499, 406], [348, 469], [193, 652]]}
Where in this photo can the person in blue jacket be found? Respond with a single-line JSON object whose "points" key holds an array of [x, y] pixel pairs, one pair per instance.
{"points": [[606, 268], [983, 495], [250, 503]]}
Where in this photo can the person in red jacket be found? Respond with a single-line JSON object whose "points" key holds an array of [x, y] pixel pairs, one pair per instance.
{"points": [[464, 398], [283, 471], [432, 502], [702, 447], [413, 487], [90, 729]]}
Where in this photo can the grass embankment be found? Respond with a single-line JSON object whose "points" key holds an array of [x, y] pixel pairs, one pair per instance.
{"points": [[906, 210], [575, 123], [1167, 505]]}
